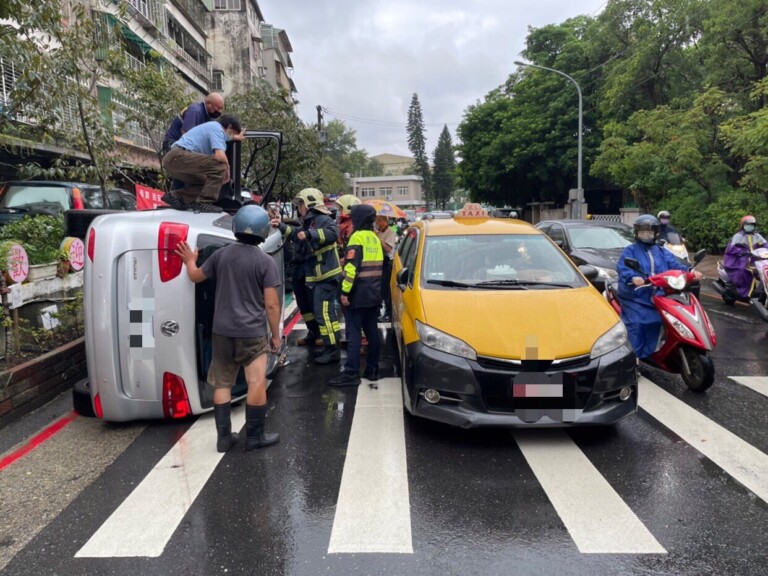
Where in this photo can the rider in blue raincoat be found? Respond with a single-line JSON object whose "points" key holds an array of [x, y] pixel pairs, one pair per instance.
{"points": [[638, 313]]}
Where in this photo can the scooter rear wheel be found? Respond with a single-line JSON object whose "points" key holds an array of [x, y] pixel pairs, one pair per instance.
{"points": [[701, 373]]}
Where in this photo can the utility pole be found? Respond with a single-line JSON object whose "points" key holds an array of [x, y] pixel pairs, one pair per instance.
{"points": [[319, 117]]}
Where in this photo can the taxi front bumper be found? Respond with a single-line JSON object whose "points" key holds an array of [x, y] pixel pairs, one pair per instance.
{"points": [[482, 392]]}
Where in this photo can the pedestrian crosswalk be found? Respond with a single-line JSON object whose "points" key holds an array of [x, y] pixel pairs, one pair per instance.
{"points": [[373, 507]]}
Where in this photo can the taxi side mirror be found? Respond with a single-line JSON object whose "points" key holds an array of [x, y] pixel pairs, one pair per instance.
{"points": [[590, 272], [402, 278]]}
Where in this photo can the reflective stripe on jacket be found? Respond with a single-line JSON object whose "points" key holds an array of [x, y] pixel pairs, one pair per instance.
{"points": [[319, 257], [363, 269]]}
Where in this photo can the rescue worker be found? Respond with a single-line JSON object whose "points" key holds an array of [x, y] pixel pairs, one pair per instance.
{"points": [[344, 219], [319, 260], [246, 301], [638, 312], [361, 297], [737, 260]]}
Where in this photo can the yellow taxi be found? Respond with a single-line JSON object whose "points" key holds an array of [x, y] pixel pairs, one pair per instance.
{"points": [[495, 326]]}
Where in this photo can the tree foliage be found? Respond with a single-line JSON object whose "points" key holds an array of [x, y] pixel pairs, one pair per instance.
{"points": [[417, 144], [444, 171]]}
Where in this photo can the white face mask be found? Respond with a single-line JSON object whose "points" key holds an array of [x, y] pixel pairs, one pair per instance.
{"points": [[646, 236], [749, 228]]}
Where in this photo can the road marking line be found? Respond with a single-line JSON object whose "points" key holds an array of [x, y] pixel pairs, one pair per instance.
{"points": [[373, 512], [144, 523], [289, 309], [757, 383], [37, 440], [596, 517], [741, 460]]}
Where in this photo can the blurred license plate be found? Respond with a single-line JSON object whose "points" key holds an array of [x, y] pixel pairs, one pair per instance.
{"points": [[537, 385]]}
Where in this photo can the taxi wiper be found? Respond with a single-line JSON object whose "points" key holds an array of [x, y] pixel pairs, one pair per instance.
{"points": [[451, 283], [522, 283]]}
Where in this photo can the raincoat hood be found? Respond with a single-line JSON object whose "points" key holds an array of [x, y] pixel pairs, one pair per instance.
{"points": [[363, 216]]}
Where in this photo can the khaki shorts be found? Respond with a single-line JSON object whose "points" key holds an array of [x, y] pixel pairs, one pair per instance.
{"points": [[229, 354]]}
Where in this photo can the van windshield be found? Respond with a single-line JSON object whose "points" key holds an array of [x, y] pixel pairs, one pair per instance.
{"points": [[20, 196]]}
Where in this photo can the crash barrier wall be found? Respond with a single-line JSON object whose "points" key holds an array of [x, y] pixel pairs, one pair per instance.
{"points": [[35, 382]]}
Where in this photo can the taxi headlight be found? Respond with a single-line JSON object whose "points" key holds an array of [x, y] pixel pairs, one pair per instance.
{"points": [[608, 342], [676, 282], [606, 273], [438, 340]]}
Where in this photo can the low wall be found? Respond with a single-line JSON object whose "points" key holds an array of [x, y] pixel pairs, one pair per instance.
{"points": [[33, 383]]}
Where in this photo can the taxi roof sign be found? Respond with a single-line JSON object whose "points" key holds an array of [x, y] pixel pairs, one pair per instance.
{"points": [[472, 210]]}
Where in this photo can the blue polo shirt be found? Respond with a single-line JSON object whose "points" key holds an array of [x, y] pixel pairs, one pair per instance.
{"points": [[204, 139]]}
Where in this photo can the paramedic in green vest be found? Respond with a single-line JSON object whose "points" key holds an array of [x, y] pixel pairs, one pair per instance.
{"points": [[317, 251], [361, 297]]}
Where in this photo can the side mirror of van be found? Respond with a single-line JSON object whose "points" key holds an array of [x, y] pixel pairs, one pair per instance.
{"points": [[590, 272]]}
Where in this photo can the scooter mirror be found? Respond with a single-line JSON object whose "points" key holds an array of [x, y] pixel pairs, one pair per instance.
{"points": [[700, 255], [632, 263]]}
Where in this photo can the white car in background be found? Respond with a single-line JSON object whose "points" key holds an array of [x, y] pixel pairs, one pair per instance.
{"points": [[147, 326]]}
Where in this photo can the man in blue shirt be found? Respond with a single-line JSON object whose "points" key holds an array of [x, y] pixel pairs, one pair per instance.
{"points": [[199, 160], [193, 115]]}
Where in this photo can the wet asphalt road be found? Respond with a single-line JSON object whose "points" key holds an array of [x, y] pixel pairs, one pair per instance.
{"points": [[476, 506]]}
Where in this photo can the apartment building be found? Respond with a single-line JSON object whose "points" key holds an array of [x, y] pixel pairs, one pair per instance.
{"points": [[394, 164], [404, 190]]}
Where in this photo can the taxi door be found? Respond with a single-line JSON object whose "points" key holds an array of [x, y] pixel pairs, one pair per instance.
{"points": [[406, 304]]}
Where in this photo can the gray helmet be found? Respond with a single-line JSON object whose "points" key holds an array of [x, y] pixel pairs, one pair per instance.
{"points": [[664, 214], [647, 222], [251, 221]]}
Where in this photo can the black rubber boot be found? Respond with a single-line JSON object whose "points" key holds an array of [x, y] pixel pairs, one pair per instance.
{"points": [[330, 354], [221, 414], [256, 437]]}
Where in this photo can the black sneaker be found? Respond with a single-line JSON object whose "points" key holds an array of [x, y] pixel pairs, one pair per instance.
{"points": [[203, 207], [328, 356], [372, 375], [174, 201], [345, 379]]}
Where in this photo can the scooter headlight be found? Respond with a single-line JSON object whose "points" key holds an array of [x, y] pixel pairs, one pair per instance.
{"points": [[438, 340], [608, 342], [676, 282], [681, 328]]}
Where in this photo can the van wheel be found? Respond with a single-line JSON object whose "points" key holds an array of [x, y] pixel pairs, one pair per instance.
{"points": [[81, 398]]}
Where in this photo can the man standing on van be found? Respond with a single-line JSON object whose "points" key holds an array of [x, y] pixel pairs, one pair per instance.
{"points": [[246, 295], [193, 115]]}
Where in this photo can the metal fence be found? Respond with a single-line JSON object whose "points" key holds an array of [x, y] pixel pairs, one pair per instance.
{"points": [[607, 217]]}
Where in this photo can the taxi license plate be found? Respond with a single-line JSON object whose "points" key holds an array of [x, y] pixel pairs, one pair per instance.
{"points": [[537, 385]]}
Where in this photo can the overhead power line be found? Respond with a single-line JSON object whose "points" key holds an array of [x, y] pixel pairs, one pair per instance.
{"points": [[362, 120]]}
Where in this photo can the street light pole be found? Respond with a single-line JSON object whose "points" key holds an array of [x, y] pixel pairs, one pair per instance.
{"points": [[576, 210]]}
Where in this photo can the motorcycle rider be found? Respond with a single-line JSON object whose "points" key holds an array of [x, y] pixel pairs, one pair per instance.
{"points": [[638, 312], [738, 258], [665, 228], [319, 256]]}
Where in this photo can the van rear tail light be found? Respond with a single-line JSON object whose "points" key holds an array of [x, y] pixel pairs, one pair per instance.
{"points": [[175, 398], [91, 243], [78, 197], [97, 407], [171, 233]]}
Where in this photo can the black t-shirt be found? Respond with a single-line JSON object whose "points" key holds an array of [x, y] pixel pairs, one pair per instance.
{"points": [[241, 273]]}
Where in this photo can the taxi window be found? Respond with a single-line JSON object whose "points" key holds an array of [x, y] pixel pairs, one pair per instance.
{"points": [[406, 244], [496, 259], [409, 256]]}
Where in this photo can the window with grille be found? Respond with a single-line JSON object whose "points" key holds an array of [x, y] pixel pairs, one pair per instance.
{"points": [[218, 80], [228, 4], [402, 190]]}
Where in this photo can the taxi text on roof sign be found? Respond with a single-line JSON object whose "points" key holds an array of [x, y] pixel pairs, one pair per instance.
{"points": [[472, 211]]}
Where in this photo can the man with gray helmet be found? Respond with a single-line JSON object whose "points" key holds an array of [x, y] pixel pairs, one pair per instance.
{"points": [[246, 295]]}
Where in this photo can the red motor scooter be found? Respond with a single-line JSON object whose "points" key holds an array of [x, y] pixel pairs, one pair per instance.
{"points": [[687, 333]]}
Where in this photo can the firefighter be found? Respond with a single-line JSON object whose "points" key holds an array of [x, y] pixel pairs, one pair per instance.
{"points": [[319, 259]]}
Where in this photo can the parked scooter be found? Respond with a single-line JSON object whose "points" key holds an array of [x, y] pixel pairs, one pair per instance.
{"points": [[730, 294], [687, 333]]}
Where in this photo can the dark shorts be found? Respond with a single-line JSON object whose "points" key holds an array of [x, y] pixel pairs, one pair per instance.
{"points": [[229, 354]]}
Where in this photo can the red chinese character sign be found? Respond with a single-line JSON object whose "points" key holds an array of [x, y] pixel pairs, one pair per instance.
{"points": [[148, 198], [16, 265], [75, 248]]}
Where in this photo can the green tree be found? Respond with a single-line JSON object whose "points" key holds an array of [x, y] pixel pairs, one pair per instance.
{"points": [[417, 145], [375, 168], [444, 172]]}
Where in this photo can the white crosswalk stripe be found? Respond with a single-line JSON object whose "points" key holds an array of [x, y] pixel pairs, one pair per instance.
{"points": [[373, 511], [165, 495], [596, 517], [757, 383], [741, 460]]}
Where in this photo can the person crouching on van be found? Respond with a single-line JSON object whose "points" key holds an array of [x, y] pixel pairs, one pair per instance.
{"points": [[246, 292]]}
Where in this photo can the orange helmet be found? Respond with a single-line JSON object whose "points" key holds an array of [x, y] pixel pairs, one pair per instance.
{"points": [[748, 219]]}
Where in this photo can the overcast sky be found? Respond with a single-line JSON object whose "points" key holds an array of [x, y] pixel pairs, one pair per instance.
{"points": [[362, 60]]}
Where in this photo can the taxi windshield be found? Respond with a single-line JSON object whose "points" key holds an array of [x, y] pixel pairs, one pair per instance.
{"points": [[511, 261]]}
